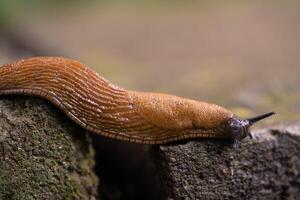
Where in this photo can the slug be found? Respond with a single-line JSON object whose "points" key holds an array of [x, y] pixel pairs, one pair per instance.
{"points": [[105, 109]]}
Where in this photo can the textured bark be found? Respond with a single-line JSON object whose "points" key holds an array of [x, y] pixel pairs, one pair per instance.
{"points": [[267, 167], [43, 155]]}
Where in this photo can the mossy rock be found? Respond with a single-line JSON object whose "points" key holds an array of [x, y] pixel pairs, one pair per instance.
{"points": [[43, 155]]}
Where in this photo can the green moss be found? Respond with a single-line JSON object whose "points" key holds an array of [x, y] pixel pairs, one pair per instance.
{"points": [[49, 160], [6, 191]]}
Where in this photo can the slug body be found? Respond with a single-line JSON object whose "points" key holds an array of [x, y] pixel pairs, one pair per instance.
{"points": [[105, 109]]}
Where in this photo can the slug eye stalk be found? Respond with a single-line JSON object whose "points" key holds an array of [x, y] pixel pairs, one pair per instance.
{"points": [[260, 117], [239, 128]]}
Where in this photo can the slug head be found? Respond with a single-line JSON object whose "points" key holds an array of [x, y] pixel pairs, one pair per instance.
{"points": [[239, 128], [174, 118]]}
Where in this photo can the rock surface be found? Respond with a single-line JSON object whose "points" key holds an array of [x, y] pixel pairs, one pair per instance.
{"points": [[266, 167], [42, 154]]}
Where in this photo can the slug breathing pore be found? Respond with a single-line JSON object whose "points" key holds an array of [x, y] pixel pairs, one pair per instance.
{"points": [[104, 109]]}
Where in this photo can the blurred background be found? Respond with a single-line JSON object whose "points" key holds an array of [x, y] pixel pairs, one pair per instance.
{"points": [[244, 55]]}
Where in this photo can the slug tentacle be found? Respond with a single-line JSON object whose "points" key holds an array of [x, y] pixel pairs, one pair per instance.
{"points": [[100, 107]]}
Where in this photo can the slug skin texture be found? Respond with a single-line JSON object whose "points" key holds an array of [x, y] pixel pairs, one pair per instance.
{"points": [[176, 113], [105, 109]]}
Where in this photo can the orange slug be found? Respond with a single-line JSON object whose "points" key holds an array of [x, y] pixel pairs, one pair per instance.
{"points": [[105, 109]]}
